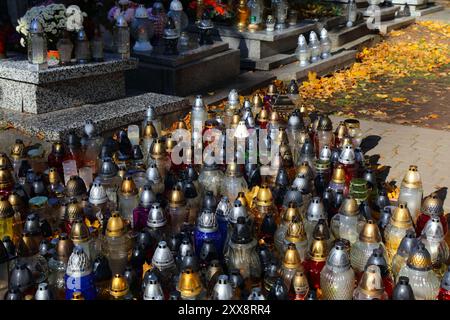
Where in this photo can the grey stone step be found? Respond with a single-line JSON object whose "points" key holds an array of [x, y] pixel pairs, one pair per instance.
{"points": [[341, 36], [338, 61], [397, 23], [107, 116], [245, 83], [268, 63], [366, 41], [431, 8]]}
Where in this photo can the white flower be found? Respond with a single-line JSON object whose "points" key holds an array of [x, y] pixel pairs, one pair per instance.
{"points": [[22, 42]]}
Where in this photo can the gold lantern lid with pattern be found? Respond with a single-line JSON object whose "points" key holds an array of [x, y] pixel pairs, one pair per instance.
{"points": [[4, 161], [6, 178], [295, 231], [17, 150], [318, 250], [371, 283], [291, 258], [291, 212], [6, 209], [74, 210], [420, 258], [79, 232]]}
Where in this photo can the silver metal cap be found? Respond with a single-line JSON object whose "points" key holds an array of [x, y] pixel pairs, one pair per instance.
{"points": [[162, 258], [223, 289], [79, 263], [32, 224], [347, 155], [408, 243], [233, 96], [108, 169], [325, 153], [207, 222], [150, 113], [301, 40], [313, 37], [156, 217], [176, 5], [316, 210], [36, 26], [97, 195], [185, 247], [238, 210], [121, 22], [293, 195], [223, 207], [198, 103], [338, 259], [433, 230], [294, 121], [153, 174], [323, 33], [256, 294], [445, 283], [301, 183], [153, 289], [43, 292], [147, 196]]}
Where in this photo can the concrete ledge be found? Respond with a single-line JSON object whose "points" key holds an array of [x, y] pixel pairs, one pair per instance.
{"points": [[364, 42], [106, 116], [268, 63], [341, 36], [431, 8], [323, 67], [398, 23]]}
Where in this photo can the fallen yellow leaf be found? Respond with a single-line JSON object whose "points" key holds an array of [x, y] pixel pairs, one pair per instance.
{"points": [[399, 99], [382, 96]]}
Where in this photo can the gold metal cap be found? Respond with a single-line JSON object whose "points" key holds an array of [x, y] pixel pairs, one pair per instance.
{"points": [[306, 170], [53, 176], [371, 282], [295, 231], [170, 143], [338, 174], [241, 197], [17, 149], [4, 161], [341, 130], [119, 286], [189, 284], [64, 248], [291, 257], [176, 197], [257, 101], [325, 123], [235, 119], [263, 115], [352, 123], [128, 187], [347, 141], [401, 217], [271, 90], [158, 149], [420, 258], [74, 210], [77, 296], [349, 207], [300, 282], [16, 201], [29, 245], [318, 250], [264, 196], [412, 178], [180, 124], [6, 209], [6, 178], [150, 130], [291, 212], [233, 170], [370, 233], [79, 232], [274, 117], [432, 205], [115, 226], [75, 186]]}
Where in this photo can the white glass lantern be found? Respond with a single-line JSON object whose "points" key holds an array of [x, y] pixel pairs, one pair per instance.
{"points": [[280, 11], [325, 44], [351, 13], [82, 47], [314, 46], [256, 14], [303, 52], [122, 37], [142, 29], [37, 45], [178, 15]]}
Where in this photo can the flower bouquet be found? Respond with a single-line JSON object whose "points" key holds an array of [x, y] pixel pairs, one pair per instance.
{"points": [[127, 7], [56, 20], [218, 11]]}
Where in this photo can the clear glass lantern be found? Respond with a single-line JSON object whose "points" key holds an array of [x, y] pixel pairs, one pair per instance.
{"points": [[122, 37], [314, 46], [270, 23], [117, 244], [303, 51], [411, 191], [142, 29], [37, 45], [178, 15], [348, 222], [256, 14], [82, 47], [128, 198], [325, 44], [97, 45], [210, 178], [65, 48], [280, 11], [233, 182], [352, 13]]}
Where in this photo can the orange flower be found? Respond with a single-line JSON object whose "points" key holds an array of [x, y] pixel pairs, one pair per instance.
{"points": [[220, 10]]}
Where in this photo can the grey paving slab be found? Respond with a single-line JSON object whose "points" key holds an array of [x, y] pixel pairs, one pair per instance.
{"points": [[431, 156]]}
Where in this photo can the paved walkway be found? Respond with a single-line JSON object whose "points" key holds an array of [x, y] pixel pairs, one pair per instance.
{"points": [[399, 146], [441, 16]]}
